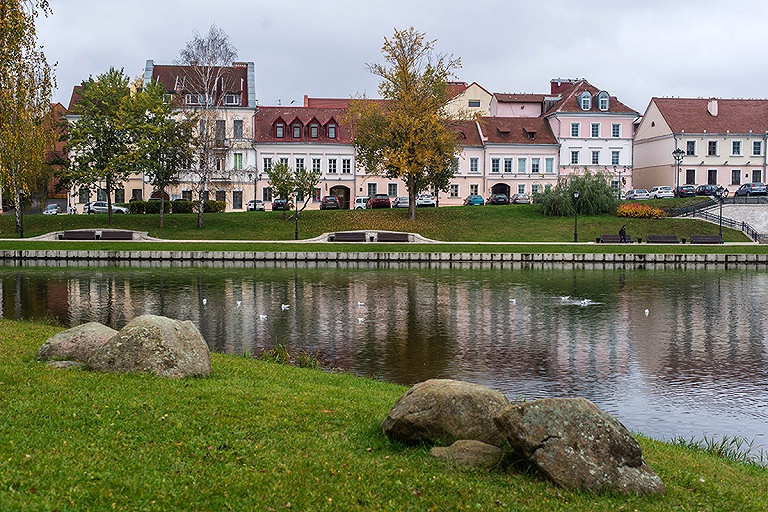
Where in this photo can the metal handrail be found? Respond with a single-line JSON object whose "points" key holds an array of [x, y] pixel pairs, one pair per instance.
{"points": [[745, 228]]}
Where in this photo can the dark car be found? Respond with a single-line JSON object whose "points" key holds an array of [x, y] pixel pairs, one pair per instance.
{"points": [[378, 201], [751, 189], [280, 204], [685, 191], [330, 203], [707, 190], [498, 199], [474, 200]]}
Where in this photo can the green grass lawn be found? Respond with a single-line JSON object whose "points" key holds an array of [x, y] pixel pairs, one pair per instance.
{"points": [[263, 436], [513, 223]]}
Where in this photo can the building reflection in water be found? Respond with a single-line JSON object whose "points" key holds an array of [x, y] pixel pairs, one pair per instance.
{"points": [[696, 364]]}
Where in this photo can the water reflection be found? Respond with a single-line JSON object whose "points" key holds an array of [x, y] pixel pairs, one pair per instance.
{"points": [[695, 365]]}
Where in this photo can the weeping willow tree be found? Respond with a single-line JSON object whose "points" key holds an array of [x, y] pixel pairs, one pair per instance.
{"points": [[26, 86], [595, 195]]}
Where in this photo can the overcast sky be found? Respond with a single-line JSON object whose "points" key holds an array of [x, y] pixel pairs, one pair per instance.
{"points": [[632, 49]]}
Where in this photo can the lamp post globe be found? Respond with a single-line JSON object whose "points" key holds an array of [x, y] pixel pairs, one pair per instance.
{"points": [[678, 155]]}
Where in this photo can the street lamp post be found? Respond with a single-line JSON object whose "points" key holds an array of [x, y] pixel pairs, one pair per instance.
{"points": [[296, 217], [576, 217], [678, 155], [722, 194]]}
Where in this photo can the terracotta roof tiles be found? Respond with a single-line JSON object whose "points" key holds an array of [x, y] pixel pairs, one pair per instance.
{"points": [[733, 115]]}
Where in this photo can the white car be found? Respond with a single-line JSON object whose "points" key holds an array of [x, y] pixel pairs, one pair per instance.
{"points": [[360, 202], [425, 199], [661, 192], [638, 193], [52, 209], [101, 207], [255, 205]]}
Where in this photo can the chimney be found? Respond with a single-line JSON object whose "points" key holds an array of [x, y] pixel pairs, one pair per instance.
{"points": [[558, 85], [712, 107]]}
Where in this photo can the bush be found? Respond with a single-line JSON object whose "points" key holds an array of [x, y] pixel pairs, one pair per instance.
{"points": [[136, 207], [182, 206], [595, 195], [639, 211], [211, 206], [153, 206]]}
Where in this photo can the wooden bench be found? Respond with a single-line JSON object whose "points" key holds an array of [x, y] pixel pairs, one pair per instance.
{"points": [[662, 239], [353, 236], [614, 239], [78, 235], [392, 237], [116, 235], [706, 239]]}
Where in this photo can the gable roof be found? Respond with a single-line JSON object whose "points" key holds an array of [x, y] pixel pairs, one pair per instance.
{"points": [[265, 118], [691, 115], [517, 130], [569, 101], [503, 97], [182, 79]]}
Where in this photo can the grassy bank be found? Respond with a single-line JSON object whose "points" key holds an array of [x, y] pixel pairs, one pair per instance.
{"points": [[263, 436], [513, 223]]}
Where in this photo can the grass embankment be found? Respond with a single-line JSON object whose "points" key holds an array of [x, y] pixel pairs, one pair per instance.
{"points": [[263, 436], [513, 223]]}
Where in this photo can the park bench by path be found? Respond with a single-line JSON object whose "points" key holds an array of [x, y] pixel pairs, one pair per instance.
{"points": [[607, 238], [351, 236], [116, 235], [662, 239], [77, 235], [392, 237], [706, 239]]}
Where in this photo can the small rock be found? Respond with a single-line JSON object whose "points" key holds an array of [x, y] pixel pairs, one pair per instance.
{"points": [[465, 452], [76, 344]]}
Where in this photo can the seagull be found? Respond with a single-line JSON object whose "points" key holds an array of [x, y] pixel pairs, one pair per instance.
{"points": [[262, 317], [646, 311], [205, 301], [360, 304], [512, 301], [564, 298], [361, 320], [285, 306], [238, 303], [586, 302]]}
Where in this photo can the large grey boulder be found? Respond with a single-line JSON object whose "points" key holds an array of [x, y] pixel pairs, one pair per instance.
{"points": [[578, 446], [79, 343], [474, 454], [443, 411], [158, 345]]}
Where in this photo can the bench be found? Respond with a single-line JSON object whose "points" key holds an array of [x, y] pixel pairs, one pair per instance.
{"points": [[392, 237], [662, 239], [351, 236], [77, 235], [116, 235], [706, 239], [614, 239]]}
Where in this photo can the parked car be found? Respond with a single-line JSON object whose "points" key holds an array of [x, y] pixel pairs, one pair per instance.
{"points": [[706, 190], [425, 199], [661, 192], [751, 189], [102, 207], [360, 202], [521, 199], [255, 205], [685, 191], [378, 201], [636, 194], [498, 199], [401, 202], [330, 203], [279, 204], [52, 209], [474, 200]]}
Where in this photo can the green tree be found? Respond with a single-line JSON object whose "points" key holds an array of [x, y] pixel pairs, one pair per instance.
{"points": [[26, 85], [162, 140], [410, 136], [595, 195], [282, 184], [98, 143], [304, 181]]}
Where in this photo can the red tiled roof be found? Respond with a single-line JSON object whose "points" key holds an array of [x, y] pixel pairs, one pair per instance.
{"points": [[569, 102], [503, 97], [453, 89], [76, 90], [517, 130], [266, 117], [467, 132], [182, 79], [734, 116]]}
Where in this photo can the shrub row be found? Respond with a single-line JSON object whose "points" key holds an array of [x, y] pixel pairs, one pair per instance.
{"points": [[177, 206], [639, 211]]}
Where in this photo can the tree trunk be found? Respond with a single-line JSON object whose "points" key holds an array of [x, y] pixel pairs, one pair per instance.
{"points": [[200, 208], [109, 198], [19, 217], [162, 207]]}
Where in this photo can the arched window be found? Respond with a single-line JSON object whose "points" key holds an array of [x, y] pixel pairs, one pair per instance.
{"points": [[603, 100], [585, 100]]}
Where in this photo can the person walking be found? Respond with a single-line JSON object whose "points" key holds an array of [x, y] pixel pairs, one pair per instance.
{"points": [[623, 234]]}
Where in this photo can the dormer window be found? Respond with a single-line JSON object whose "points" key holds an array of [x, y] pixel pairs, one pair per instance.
{"points": [[585, 100], [331, 131], [232, 100], [603, 101], [296, 130], [193, 99], [314, 130], [279, 130]]}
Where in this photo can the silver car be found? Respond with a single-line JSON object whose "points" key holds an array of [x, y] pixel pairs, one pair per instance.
{"points": [[101, 207]]}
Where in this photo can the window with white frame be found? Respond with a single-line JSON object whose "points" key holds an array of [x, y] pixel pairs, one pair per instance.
{"points": [[237, 199], [574, 157], [296, 130], [317, 195], [473, 103], [453, 190], [521, 188], [736, 177], [507, 165], [549, 165], [615, 186], [266, 194], [279, 130], [602, 100], [237, 129], [314, 130], [690, 148], [331, 131], [331, 166], [736, 148], [186, 195], [473, 164], [299, 164], [346, 166], [535, 188], [712, 148], [267, 165], [522, 165], [615, 157], [315, 165], [575, 129], [757, 147], [372, 189], [585, 100], [535, 165], [595, 157], [232, 100], [548, 186], [284, 160], [455, 166], [757, 175], [474, 189], [392, 189], [495, 165], [595, 130], [237, 161], [616, 130]]}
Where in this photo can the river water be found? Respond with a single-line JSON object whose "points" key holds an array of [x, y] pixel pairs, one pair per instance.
{"points": [[695, 364]]}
